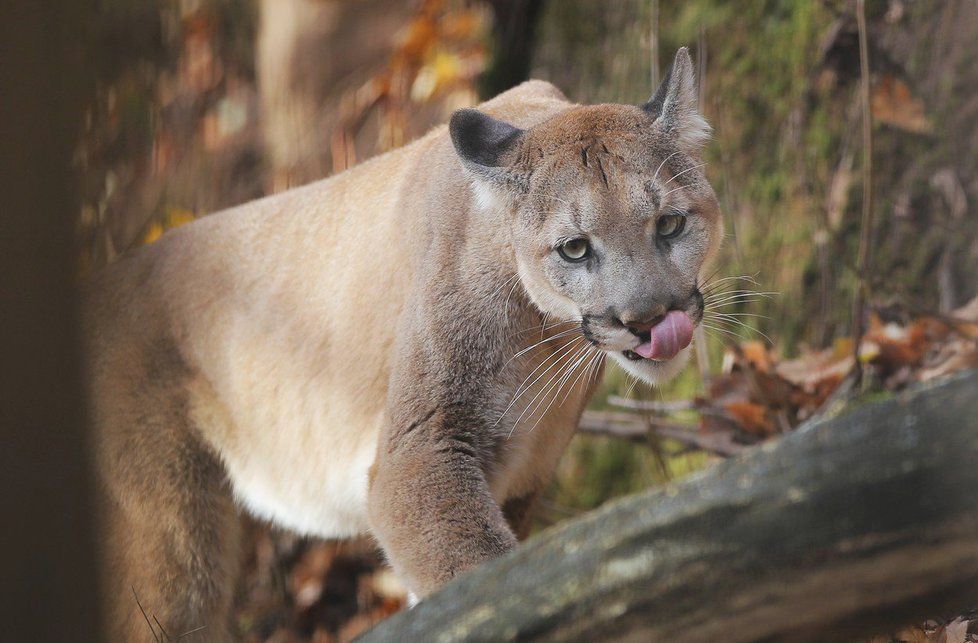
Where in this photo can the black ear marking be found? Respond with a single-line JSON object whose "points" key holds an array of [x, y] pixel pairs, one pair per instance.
{"points": [[480, 139], [654, 105], [673, 106], [677, 91]]}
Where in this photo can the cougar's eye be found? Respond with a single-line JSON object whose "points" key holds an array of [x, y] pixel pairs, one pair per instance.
{"points": [[670, 225], [575, 250]]}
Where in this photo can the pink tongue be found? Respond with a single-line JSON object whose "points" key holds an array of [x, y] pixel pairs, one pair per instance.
{"points": [[669, 336]]}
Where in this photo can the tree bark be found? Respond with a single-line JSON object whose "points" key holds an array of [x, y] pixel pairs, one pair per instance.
{"points": [[849, 526]]}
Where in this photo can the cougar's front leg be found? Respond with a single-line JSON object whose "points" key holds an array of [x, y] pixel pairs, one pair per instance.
{"points": [[429, 502]]}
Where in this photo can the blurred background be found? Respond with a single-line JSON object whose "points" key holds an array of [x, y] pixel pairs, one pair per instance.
{"points": [[204, 104]]}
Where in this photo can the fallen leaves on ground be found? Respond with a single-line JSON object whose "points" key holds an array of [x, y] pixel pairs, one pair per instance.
{"points": [[961, 629], [297, 589], [758, 395]]}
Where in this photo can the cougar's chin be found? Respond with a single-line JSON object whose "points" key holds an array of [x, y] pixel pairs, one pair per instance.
{"points": [[650, 370]]}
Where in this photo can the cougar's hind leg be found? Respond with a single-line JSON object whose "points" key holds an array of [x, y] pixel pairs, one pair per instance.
{"points": [[172, 549]]}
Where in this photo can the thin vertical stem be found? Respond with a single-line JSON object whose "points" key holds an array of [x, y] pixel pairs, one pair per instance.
{"points": [[701, 68], [866, 225], [654, 44], [702, 348]]}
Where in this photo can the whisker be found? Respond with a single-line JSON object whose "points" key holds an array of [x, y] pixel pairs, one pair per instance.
{"points": [[563, 333], [548, 385], [503, 285], [721, 294], [713, 335], [706, 283], [681, 187], [731, 324], [710, 286], [560, 383], [552, 360], [715, 289], [732, 321], [689, 169], [511, 291], [732, 304], [546, 318], [717, 317], [726, 331], [562, 349], [586, 363], [594, 375], [593, 370], [664, 161], [756, 315], [537, 327], [632, 386], [748, 278], [748, 291], [594, 356]]}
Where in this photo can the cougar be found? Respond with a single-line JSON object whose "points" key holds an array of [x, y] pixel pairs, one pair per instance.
{"points": [[402, 350]]}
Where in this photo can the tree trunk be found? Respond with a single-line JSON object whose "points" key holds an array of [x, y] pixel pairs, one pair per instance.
{"points": [[514, 33], [46, 547], [848, 526], [308, 53]]}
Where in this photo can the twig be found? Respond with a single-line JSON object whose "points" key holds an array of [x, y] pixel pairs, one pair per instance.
{"points": [[655, 407], [628, 426], [699, 333], [665, 408], [866, 225], [654, 44]]}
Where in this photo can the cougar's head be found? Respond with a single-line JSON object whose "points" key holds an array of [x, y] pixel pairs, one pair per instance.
{"points": [[609, 214]]}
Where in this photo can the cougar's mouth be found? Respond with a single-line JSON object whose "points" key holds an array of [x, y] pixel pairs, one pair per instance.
{"points": [[662, 342]]}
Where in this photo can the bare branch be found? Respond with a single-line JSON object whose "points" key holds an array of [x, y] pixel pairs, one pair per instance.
{"points": [[866, 225]]}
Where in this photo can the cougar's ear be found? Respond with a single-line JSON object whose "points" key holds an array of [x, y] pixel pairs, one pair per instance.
{"points": [[674, 105], [486, 147]]}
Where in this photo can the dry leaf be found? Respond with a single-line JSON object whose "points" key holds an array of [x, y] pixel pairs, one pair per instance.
{"points": [[752, 417], [955, 632], [816, 372], [968, 312], [894, 104], [756, 354], [914, 635], [956, 356]]}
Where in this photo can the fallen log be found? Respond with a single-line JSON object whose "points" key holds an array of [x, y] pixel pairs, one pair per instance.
{"points": [[846, 527]]}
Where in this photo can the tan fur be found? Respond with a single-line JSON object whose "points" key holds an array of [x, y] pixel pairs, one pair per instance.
{"points": [[338, 359]]}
